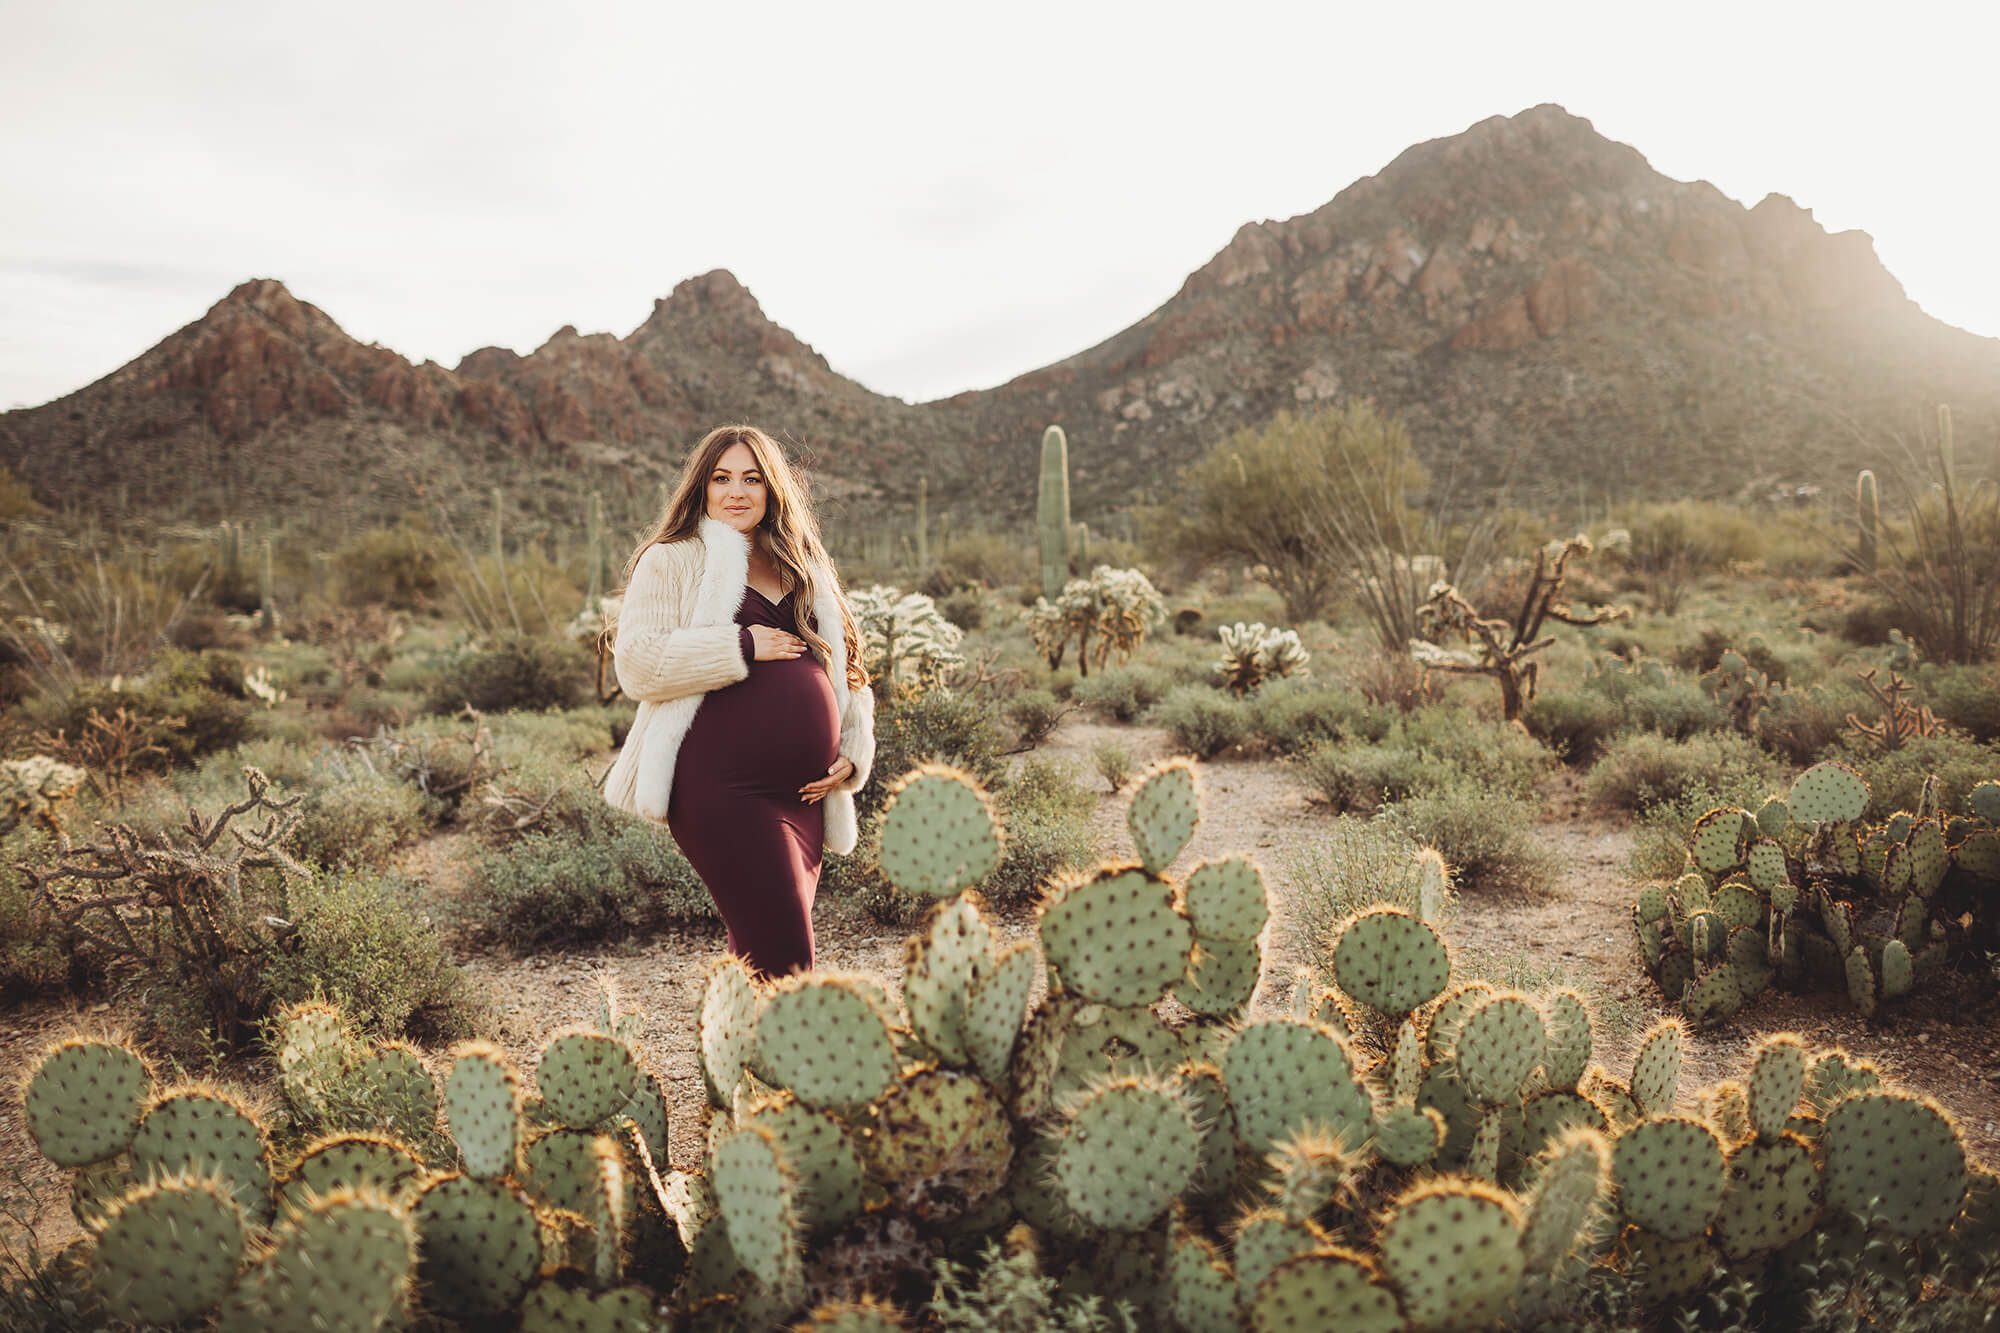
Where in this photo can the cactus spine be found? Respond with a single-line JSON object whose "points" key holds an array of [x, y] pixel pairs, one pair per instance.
{"points": [[1868, 517], [1052, 513]]}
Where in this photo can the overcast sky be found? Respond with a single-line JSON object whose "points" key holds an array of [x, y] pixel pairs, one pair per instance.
{"points": [[936, 196]]}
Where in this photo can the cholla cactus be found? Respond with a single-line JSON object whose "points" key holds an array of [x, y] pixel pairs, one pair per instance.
{"points": [[905, 640], [591, 621], [1116, 607], [258, 682], [32, 788], [1255, 653]]}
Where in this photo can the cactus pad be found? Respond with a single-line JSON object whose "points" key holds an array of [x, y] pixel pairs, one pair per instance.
{"points": [[730, 1005], [346, 1162], [941, 1140], [1329, 1288], [1716, 841], [1391, 961], [1226, 899], [168, 1251], [753, 1190], [1895, 1157], [342, 1267], [1284, 1074], [1164, 811], [478, 1245], [1266, 1238], [822, 1036], [1567, 1054], [1409, 1136], [1828, 793], [205, 1132], [822, 1158], [312, 1049], [84, 1101], [482, 1102], [1454, 1251], [1442, 1033], [1767, 864], [586, 1077], [1670, 1175], [1129, 1150], [938, 832], [1499, 1045], [938, 967], [1222, 977], [1656, 1068], [1669, 1270], [1777, 1079], [995, 1002], [1116, 937], [1773, 818], [1207, 1101], [553, 1307], [1772, 1199], [392, 1089], [1570, 1187], [95, 1188], [1204, 1290]]}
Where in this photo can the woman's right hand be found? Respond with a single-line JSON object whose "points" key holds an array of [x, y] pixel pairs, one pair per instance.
{"points": [[774, 645]]}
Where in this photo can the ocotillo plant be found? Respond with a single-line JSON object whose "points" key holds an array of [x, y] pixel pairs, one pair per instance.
{"points": [[1052, 513], [1867, 518], [267, 614]]}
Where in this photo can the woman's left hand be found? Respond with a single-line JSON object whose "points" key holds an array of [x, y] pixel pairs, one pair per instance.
{"points": [[816, 790]]}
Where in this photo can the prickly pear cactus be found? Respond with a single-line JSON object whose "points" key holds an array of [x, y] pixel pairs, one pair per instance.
{"points": [[84, 1101]]}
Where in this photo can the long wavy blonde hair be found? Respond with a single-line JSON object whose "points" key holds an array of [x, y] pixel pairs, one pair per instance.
{"points": [[789, 531]]}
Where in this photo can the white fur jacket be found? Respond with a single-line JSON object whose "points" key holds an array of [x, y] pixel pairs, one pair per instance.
{"points": [[677, 638]]}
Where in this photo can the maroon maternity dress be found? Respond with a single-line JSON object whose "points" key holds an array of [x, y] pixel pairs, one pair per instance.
{"points": [[735, 808]]}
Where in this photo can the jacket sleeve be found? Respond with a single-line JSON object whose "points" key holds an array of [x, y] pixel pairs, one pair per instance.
{"points": [[655, 656], [857, 736]]}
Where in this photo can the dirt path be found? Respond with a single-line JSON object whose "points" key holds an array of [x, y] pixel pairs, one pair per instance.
{"points": [[1577, 935]]}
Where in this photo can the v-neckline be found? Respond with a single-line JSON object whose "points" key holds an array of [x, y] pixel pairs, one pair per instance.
{"points": [[767, 601]]}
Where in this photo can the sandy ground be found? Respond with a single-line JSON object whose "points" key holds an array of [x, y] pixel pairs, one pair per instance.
{"points": [[1579, 931]]}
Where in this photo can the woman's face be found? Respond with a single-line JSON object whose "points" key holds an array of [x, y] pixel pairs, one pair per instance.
{"points": [[736, 493]]}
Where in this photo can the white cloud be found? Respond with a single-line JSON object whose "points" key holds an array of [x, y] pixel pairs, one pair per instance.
{"points": [[936, 197]]}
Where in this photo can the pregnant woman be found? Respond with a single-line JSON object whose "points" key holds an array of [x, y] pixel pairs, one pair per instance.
{"points": [[756, 724]]}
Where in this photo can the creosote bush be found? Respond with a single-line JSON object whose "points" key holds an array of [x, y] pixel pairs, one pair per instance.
{"points": [[1488, 837], [512, 671], [1642, 769], [1202, 720]]}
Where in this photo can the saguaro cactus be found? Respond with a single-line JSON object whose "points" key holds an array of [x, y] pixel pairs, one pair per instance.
{"points": [[1867, 518], [923, 524], [267, 612], [1052, 513]]}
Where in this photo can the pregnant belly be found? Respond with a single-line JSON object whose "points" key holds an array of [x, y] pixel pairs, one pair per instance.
{"points": [[772, 731]]}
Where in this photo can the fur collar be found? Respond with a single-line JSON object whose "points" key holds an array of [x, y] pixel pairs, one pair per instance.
{"points": [[725, 582]]}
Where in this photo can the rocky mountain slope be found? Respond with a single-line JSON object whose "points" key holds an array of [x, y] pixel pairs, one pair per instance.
{"points": [[1549, 314]]}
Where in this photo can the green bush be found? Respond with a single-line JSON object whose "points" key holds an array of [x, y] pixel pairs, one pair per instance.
{"points": [[1202, 721], [186, 705], [616, 875], [1421, 753], [357, 820], [1644, 769], [366, 941], [1800, 726], [33, 957], [400, 567], [1122, 693], [1034, 713], [1679, 708], [1966, 697], [513, 671], [1896, 778], [1356, 863], [1357, 775], [1292, 714], [1575, 724], [953, 729], [1114, 763], [1486, 836], [1660, 833], [1047, 815]]}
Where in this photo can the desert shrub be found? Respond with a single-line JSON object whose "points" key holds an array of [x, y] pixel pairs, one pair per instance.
{"points": [[1034, 713], [1643, 768], [401, 567], [1395, 680], [32, 954], [358, 819], [616, 875], [1678, 708], [1357, 863], [366, 941], [1290, 715], [1966, 697], [512, 671], [1896, 778], [1008, 1291], [965, 608], [1047, 815], [1113, 762], [1351, 775], [1674, 543], [989, 559], [1486, 836], [185, 706], [1202, 721], [1122, 693], [1800, 726], [953, 729], [1573, 723], [1704, 653], [1867, 623]]}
